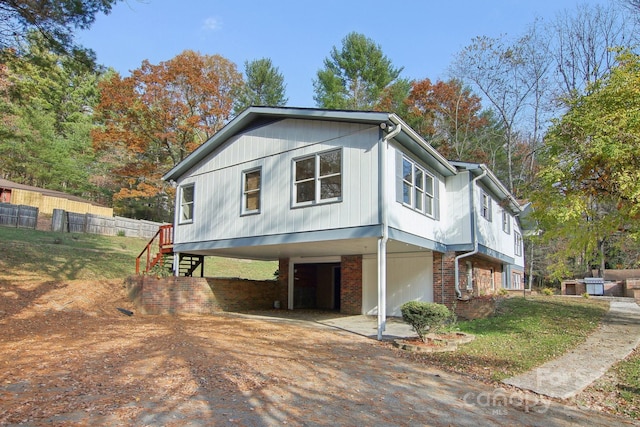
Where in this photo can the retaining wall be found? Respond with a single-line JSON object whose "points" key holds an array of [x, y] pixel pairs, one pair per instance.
{"points": [[202, 295]]}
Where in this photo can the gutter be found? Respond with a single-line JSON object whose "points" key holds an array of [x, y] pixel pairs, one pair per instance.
{"points": [[474, 232], [382, 242]]}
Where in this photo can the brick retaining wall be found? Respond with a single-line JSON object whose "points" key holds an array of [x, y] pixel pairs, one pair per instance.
{"points": [[203, 295]]}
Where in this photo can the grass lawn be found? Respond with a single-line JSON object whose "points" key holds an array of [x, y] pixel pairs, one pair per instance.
{"points": [[627, 374], [524, 333], [62, 256]]}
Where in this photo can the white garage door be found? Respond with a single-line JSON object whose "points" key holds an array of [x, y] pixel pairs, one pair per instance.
{"points": [[409, 277]]}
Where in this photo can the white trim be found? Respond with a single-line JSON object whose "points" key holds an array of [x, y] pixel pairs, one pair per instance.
{"points": [[181, 219], [317, 179], [244, 192]]}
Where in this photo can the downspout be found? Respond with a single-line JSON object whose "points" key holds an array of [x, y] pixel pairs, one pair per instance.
{"points": [[474, 233], [382, 242]]}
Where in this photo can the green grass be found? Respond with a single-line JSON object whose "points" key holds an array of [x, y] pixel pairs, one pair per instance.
{"points": [[523, 334], [627, 373], [60, 256]]}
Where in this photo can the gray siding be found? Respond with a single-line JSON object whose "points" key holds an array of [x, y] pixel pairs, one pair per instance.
{"points": [[218, 191]]}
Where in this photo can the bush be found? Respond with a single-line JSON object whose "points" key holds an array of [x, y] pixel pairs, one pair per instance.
{"points": [[548, 292], [425, 316]]}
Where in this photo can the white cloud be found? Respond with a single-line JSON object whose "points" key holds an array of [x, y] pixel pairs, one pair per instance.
{"points": [[212, 24]]}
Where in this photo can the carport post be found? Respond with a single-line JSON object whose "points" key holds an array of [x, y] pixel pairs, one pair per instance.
{"points": [[382, 287], [384, 213]]}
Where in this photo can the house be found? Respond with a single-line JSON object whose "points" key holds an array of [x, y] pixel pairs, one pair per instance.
{"points": [[361, 212]]}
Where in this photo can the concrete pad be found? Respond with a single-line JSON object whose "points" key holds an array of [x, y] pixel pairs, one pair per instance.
{"points": [[367, 326], [568, 375]]}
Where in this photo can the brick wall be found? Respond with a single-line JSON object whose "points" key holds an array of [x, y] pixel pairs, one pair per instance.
{"points": [[444, 284], [351, 285], [444, 278], [486, 281], [476, 308], [172, 295]]}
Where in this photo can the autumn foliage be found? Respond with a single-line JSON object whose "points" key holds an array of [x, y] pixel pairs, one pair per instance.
{"points": [[157, 116], [448, 115]]}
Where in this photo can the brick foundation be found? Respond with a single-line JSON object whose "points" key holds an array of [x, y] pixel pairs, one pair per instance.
{"points": [[351, 285], [173, 295], [476, 308]]}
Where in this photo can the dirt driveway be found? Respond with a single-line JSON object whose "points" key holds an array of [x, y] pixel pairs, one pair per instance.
{"points": [[68, 357]]}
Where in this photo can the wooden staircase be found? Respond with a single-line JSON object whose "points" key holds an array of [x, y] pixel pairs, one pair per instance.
{"points": [[158, 256]]}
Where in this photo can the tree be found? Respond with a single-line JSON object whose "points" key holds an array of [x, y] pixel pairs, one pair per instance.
{"points": [[448, 116], [499, 69], [591, 181], [583, 43], [356, 76], [46, 109], [154, 118], [55, 20], [264, 86]]}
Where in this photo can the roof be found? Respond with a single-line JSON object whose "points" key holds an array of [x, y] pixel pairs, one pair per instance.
{"points": [[4, 183], [258, 115]]}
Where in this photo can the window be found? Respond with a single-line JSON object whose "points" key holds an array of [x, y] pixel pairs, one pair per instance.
{"points": [[186, 203], [485, 208], [469, 276], [517, 281], [318, 178], [506, 222], [518, 243], [418, 188], [251, 189]]}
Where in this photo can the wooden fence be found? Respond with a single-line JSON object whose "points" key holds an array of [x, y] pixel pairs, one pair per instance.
{"points": [[18, 216], [70, 222]]}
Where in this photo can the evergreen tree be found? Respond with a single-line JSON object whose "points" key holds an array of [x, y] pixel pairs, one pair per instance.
{"points": [[264, 86], [356, 76]]}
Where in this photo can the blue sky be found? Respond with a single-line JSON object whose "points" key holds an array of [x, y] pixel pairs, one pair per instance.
{"points": [[422, 36]]}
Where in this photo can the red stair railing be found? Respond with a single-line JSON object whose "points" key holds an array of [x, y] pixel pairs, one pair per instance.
{"points": [[161, 244]]}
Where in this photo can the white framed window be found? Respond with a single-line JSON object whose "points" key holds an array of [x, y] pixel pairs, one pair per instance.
{"points": [[506, 222], [469, 275], [517, 243], [418, 188], [517, 281], [251, 191], [317, 178], [187, 198], [485, 206]]}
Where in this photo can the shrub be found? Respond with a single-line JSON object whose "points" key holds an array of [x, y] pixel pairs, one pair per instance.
{"points": [[548, 291], [586, 295], [425, 316]]}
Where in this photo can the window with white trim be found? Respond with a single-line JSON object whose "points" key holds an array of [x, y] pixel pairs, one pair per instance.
{"points": [[318, 178], [187, 197], [417, 187], [251, 191], [517, 243], [506, 222], [485, 206], [517, 281]]}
